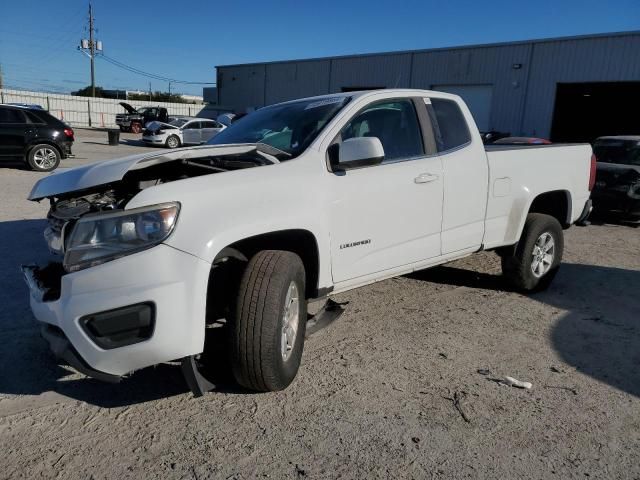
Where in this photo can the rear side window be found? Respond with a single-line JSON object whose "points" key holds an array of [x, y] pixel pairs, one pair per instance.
{"points": [[450, 127], [396, 125], [11, 115], [33, 118]]}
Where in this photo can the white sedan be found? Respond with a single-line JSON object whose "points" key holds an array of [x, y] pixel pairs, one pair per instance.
{"points": [[181, 131]]}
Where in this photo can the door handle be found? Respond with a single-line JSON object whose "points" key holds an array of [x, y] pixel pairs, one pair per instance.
{"points": [[426, 178]]}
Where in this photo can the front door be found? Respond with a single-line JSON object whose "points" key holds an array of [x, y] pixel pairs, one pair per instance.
{"points": [[191, 133], [13, 131], [389, 215]]}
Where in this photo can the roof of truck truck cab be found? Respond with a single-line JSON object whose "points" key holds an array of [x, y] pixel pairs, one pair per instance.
{"points": [[364, 93]]}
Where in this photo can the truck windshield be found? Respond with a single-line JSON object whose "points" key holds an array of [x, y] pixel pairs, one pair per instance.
{"points": [[290, 127], [625, 152]]}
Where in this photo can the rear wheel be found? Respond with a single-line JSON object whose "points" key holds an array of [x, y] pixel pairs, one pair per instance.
{"points": [[534, 262], [43, 158], [270, 321], [136, 127], [172, 142]]}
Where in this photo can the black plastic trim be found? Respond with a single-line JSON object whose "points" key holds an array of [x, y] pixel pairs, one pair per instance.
{"points": [[120, 327]]}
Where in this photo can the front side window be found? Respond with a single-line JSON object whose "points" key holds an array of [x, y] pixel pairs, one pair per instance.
{"points": [[450, 126], [394, 123], [10, 115], [290, 127], [192, 126]]}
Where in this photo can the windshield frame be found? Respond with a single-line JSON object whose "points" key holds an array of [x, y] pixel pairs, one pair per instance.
{"points": [[329, 107]]}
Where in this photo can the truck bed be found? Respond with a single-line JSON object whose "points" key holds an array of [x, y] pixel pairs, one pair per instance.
{"points": [[519, 173]]}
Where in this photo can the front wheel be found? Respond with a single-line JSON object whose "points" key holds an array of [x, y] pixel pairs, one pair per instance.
{"points": [[270, 321], [534, 262], [172, 142], [43, 158]]}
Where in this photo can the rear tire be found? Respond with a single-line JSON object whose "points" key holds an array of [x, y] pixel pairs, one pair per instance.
{"points": [[534, 262], [43, 158], [270, 321], [172, 141]]}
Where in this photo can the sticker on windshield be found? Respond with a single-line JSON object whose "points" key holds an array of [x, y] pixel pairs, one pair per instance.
{"points": [[326, 101]]}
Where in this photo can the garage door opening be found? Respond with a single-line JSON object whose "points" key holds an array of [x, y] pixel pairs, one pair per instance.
{"points": [[586, 111]]}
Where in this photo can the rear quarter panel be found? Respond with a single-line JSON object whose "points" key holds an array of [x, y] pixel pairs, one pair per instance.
{"points": [[518, 175]]}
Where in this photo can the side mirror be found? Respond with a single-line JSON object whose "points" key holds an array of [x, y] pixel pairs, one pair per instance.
{"points": [[356, 152]]}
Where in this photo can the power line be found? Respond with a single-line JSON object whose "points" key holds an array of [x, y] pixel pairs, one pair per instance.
{"points": [[154, 76]]}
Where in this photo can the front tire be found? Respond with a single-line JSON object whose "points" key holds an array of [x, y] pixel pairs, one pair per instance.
{"points": [[172, 141], [270, 321], [43, 158], [534, 262]]}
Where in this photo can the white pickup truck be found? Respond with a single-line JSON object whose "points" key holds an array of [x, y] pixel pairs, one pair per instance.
{"points": [[295, 202]]}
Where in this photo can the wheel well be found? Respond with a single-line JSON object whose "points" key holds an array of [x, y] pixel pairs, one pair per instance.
{"points": [[300, 242], [556, 204], [42, 142]]}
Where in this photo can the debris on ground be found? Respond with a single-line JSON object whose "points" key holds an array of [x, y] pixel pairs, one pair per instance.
{"points": [[457, 399], [484, 371], [560, 387], [512, 382]]}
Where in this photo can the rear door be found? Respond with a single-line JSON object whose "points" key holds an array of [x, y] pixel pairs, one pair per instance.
{"points": [[191, 133], [465, 169], [14, 131], [388, 215], [209, 129]]}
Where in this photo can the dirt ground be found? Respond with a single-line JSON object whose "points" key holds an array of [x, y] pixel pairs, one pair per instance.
{"points": [[377, 391]]}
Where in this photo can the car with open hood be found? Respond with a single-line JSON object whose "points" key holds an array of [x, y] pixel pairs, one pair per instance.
{"points": [[136, 118], [181, 131]]}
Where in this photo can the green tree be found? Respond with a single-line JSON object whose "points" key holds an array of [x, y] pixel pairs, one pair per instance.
{"points": [[86, 92]]}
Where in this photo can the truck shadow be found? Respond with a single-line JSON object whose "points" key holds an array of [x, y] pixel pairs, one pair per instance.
{"points": [[28, 367], [600, 333]]}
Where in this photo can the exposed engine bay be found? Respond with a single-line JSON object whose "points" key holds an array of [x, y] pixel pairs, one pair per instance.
{"points": [[67, 208]]}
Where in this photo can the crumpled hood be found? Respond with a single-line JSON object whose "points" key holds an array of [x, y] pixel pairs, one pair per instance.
{"points": [[110, 171], [617, 174]]}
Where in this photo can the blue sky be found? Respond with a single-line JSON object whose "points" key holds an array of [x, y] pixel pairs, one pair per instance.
{"points": [[187, 39]]}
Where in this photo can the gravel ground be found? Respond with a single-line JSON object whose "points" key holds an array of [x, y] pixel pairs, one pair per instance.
{"points": [[377, 391]]}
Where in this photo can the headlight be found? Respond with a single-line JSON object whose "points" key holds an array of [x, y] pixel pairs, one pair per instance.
{"points": [[634, 191], [103, 237]]}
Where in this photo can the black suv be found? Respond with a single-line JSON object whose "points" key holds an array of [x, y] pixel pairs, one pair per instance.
{"points": [[35, 136]]}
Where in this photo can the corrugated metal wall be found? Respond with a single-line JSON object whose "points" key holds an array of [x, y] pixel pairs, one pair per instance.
{"points": [[523, 98], [604, 59]]}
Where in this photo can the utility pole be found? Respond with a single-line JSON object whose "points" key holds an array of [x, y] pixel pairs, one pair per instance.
{"points": [[1, 83], [149, 91], [92, 50], [169, 85], [93, 46]]}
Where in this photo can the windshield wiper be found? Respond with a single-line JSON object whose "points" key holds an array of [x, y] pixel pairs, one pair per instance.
{"points": [[271, 150]]}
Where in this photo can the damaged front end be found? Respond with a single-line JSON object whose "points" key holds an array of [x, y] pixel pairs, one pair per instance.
{"points": [[88, 197], [89, 224]]}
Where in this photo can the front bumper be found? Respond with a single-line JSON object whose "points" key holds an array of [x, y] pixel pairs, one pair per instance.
{"points": [[173, 281], [154, 139], [123, 123]]}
